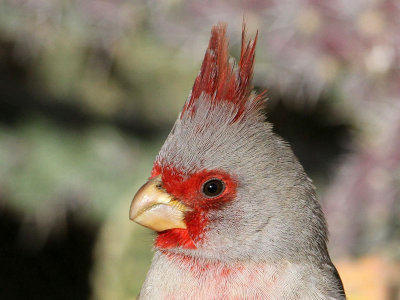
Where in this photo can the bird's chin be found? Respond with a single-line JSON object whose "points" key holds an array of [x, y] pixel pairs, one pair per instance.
{"points": [[174, 238]]}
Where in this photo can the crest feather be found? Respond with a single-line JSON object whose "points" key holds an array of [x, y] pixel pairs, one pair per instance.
{"points": [[221, 79]]}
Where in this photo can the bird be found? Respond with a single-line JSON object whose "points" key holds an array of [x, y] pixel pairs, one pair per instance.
{"points": [[235, 215]]}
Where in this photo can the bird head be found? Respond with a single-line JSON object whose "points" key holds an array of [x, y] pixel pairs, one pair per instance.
{"points": [[224, 186]]}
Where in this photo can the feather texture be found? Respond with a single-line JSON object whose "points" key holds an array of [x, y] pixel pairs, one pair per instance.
{"points": [[220, 79]]}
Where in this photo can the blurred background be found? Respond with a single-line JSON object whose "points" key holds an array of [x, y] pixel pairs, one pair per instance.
{"points": [[89, 90]]}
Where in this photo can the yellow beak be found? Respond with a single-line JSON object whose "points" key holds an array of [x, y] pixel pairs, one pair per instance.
{"points": [[154, 208]]}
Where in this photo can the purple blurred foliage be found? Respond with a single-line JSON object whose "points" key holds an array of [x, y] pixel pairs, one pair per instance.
{"points": [[362, 203], [303, 44]]}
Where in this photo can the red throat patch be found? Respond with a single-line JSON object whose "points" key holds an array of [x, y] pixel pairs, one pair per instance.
{"points": [[221, 79]]}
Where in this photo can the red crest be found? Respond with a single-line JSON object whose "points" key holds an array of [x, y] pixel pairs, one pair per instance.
{"points": [[220, 78]]}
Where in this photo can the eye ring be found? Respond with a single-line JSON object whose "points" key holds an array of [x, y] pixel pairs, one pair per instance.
{"points": [[213, 188]]}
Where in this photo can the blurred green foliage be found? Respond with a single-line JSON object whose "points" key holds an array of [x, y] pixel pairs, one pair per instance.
{"points": [[47, 168], [73, 61]]}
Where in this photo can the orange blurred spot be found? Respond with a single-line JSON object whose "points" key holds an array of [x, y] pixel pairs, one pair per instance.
{"points": [[368, 278]]}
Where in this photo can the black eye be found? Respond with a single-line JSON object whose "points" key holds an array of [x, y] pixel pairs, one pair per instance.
{"points": [[213, 188]]}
